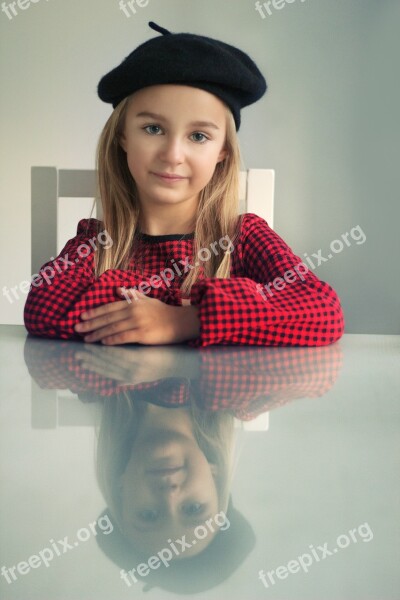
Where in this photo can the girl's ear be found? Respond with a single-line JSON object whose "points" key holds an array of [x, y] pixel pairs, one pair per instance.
{"points": [[222, 155], [214, 469]]}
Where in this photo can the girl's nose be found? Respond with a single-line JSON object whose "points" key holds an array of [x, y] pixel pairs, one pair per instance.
{"points": [[172, 151]]}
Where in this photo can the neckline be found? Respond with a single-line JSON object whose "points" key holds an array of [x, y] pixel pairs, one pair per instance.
{"points": [[166, 237]]}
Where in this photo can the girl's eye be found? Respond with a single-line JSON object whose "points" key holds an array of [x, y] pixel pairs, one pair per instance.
{"points": [[149, 516], [193, 509], [199, 137], [153, 129]]}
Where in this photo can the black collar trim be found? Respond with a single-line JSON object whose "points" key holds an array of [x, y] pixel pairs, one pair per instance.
{"points": [[165, 238]]}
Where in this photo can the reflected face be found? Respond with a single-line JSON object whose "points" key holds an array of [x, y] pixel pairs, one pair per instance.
{"points": [[174, 136], [168, 488]]}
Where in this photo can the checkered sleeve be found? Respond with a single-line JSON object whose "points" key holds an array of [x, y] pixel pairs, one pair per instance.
{"points": [[66, 286], [252, 380], [278, 301]]}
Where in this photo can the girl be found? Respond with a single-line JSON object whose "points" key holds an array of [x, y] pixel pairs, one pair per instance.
{"points": [[181, 264]]}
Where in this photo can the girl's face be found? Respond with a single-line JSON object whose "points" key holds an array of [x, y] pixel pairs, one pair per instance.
{"points": [[168, 487], [174, 136]]}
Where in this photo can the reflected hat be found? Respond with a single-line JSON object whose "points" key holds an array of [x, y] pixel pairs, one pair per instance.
{"points": [[187, 59], [214, 565]]}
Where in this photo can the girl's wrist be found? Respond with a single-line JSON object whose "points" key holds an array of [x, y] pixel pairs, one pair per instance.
{"points": [[188, 323]]}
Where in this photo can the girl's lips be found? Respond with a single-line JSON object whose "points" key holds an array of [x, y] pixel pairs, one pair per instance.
{"points": [[166, 471], [169, 176]]}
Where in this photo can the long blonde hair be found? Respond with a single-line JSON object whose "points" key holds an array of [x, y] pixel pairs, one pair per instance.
{"points": [[217, 214]]}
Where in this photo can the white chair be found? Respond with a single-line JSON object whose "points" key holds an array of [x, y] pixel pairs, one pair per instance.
{"points": [[49, 185]]}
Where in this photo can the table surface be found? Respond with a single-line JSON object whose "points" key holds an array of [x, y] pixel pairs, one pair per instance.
{"points": [[311, 507]]}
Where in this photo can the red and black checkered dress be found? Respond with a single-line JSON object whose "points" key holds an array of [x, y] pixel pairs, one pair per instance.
{"points": [[305, 311]]}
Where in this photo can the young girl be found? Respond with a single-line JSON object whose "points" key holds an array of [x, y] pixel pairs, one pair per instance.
{"points": [[180, 263]]}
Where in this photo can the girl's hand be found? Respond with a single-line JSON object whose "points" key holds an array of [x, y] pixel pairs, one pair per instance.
{"points": [[145, 320], [131, 366]]}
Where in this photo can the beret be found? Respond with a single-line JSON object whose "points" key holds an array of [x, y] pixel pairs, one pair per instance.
{"points": [[186, 59]]}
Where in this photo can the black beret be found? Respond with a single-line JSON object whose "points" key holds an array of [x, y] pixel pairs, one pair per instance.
{"points": [[187, 59]]}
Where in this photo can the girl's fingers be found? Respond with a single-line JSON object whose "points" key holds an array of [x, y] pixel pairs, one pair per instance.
{"points": [[107, 318], [129, 336], [109, 373], [96, 363], [116, 328], [111, 307], [110, 355], [97, 359]]}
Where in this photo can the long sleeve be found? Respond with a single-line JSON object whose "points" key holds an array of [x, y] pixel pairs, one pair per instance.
{"points": [[254, 380], [277, 302], [66, 287]]}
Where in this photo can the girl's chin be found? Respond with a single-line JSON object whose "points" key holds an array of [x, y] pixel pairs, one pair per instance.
{"points": [[156, 438], [169, 455], [165, 198]]}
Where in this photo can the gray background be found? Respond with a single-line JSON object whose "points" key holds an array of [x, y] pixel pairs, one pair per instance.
{"points": [[328, 124]]}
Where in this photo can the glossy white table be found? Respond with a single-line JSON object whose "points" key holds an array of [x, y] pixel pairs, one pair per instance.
{"points": [[315, 467]]}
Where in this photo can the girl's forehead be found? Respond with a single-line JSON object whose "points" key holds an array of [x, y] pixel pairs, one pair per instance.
{"points": [[171, 97]]}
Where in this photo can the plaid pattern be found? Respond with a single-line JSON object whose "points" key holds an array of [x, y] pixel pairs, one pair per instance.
{"points": [[253, 381], [306, 312], [247, 381]]}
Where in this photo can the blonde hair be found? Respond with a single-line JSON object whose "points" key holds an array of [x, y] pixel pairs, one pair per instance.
{"points": [[217, 214]]}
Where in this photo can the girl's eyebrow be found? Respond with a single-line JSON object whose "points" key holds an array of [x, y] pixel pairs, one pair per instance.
{"points": [[192, 124]]}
